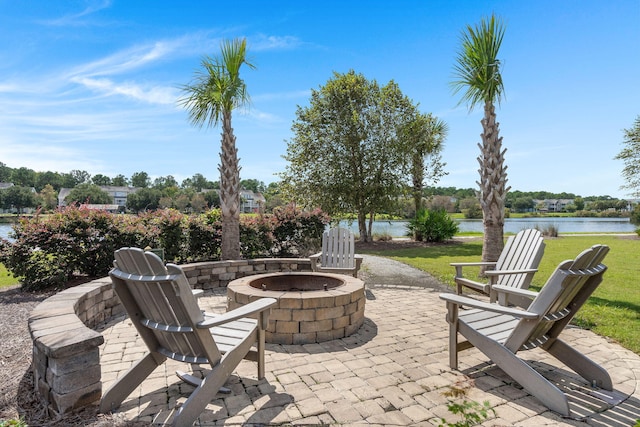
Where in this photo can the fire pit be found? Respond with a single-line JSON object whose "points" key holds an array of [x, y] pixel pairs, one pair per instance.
{"points": [[311, 308]]}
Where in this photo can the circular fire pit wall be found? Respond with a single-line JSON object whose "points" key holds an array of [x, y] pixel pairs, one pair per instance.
{"points": [[311, 308]]}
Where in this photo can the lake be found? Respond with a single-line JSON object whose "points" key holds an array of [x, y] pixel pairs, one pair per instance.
{"points": [[512, 225]]}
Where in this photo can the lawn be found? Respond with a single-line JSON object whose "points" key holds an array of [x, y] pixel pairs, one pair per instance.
{"points": [[6, 279], [612, 311]]}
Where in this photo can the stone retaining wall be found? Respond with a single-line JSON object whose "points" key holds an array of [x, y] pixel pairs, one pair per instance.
{"points": [[66, 348]]}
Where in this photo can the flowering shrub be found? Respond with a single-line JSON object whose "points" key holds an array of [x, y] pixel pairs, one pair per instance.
{"points": [[49, 251]]}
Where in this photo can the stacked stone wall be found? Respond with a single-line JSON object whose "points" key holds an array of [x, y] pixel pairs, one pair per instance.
{"points": [[66, 344]]}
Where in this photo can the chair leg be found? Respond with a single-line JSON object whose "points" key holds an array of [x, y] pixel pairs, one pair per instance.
{"points": [[520, 371], [581, 364], [452, 318], [125, 385]]}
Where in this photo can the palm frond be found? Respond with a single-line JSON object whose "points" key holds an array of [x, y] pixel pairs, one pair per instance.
{"points": [[478, 70]]}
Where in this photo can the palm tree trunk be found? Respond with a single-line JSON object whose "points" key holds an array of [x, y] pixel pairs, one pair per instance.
{"points": [[493, 190], [229, 192]]}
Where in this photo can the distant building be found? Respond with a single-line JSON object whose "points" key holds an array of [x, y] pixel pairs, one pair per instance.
{"points": [[119, 194], [552, 205], [251, 202]]}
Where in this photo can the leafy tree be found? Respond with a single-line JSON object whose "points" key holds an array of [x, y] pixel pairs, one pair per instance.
{"points": [[120, 181], [210, 99], [100, 179], [54, 179], [212, 197], [523, 204], [253, 185], [18, 197], [164, 182], [197, 182], [75, 177], [49, 197], [630, 155], [5, 173], [349, 152], [478, 72], [23, 177], [88, 193], [144, 199], [198, 203], [140, 180]]}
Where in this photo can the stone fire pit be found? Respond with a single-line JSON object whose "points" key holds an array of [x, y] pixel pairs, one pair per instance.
{"points": [[311, 308]]}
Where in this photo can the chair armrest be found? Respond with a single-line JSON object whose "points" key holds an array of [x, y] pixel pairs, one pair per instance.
{"points": [[315, 256], [245, 311], [459, 265], [472, 264], [506, 272], [496, 308], [500, 289]]}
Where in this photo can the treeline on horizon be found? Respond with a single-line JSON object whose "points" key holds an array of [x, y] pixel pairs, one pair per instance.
{"points": [[25, 177]]}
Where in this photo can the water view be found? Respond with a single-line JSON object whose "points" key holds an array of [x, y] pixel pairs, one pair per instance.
{"points": [[513, 225]]}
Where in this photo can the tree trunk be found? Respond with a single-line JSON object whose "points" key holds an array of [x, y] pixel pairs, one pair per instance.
{"points": [[362, 227], [493, 190], [229, 192]]}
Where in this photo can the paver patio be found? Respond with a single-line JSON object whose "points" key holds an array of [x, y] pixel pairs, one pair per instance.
{"points": [[394, 371]]}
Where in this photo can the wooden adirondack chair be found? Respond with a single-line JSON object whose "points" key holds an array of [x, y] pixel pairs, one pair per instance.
{"points": [[516, 266], [500, 332], [165, 312], [338, 253]]}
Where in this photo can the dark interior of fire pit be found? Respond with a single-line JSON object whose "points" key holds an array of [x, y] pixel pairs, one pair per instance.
{"points": [[296, 282]]}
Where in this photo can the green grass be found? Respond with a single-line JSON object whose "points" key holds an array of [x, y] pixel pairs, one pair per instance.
{"points": [[6, 279], [612, 311]]}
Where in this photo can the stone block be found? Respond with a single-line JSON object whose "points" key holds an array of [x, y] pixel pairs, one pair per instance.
{"points": [[62, 403], [78, 362], [73, 381], [318, 325]]}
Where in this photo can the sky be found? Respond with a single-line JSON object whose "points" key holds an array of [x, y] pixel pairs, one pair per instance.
{"points": [[94, 85]]}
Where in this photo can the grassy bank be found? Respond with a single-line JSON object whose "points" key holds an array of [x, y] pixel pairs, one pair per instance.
{"points": [[6, 279], [612, 311]]}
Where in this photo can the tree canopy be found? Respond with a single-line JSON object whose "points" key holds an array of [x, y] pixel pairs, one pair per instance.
{"points": [[630, 155], [350, 152]]}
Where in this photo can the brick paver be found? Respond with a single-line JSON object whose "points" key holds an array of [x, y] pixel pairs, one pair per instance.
{"points": [[393, 371]]}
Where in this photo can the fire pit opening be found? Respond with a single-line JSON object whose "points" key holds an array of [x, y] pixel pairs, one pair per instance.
{"points": [[312, 307], [296, 282]]}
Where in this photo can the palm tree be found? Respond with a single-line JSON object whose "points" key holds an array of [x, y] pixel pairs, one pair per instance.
{"points": [[214, 93], [478, 72], [426, 134]]}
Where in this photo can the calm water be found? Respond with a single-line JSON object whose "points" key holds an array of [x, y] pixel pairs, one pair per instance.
{"points": [[513, 225]]}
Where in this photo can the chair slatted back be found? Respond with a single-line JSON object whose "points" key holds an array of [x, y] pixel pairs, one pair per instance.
{"points": [[161, 305], [338, 248], [521, 252], [560, 298]]}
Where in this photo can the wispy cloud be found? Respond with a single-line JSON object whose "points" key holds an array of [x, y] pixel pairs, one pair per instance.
{"points": [[265, 42], [78, 19], [153, 95]]}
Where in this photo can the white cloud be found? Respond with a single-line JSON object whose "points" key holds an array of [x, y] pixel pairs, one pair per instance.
{"points": [[264, 42], [76, 19], [154, 95]]}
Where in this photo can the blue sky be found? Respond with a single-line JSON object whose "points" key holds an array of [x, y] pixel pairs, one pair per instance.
{"points": [[93, 85]]}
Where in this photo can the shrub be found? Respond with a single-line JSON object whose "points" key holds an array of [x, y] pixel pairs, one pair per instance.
{"points": [[48, 252], [296, 232], [204, 236], [432, 226]]}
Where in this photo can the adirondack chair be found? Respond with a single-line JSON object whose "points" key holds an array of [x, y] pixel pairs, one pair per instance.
{"points": [[500, 331], [515, 267], [165, 312], [338, 253]]}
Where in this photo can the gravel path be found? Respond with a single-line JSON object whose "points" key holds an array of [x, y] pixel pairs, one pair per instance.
{"points": [[379, 271]]}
